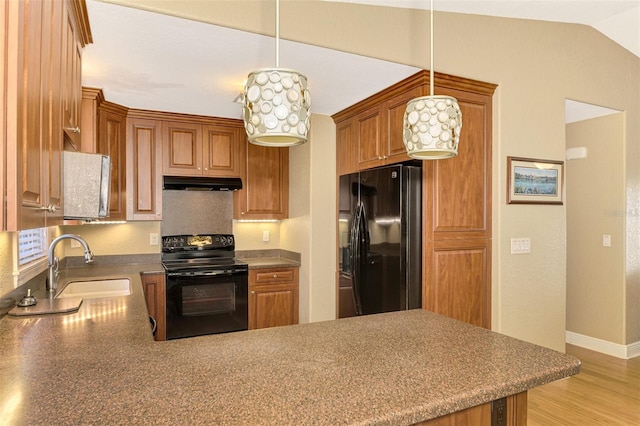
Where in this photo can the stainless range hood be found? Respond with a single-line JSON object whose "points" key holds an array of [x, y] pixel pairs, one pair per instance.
{"points": [[183, 183]]}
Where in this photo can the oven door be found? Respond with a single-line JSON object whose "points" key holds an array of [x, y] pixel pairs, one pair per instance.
{"points": [[210, 302]]}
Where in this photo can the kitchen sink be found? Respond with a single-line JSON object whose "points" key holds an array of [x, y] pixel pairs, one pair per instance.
{"points": [[91, 289]]}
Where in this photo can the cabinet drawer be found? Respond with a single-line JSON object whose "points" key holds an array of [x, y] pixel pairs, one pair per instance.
{"points": [[281, 275]]}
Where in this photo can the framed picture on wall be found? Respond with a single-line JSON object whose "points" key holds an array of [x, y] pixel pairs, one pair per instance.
{"points": [[532, 181]]}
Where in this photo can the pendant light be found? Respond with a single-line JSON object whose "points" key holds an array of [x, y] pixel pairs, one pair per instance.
{"points": [[432, 123], [276, 103]]}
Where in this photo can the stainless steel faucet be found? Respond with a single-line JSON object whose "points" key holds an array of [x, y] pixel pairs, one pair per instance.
{"points": [[52, 279]]}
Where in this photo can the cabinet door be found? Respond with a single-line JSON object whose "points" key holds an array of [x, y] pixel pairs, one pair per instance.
{"points": [[56, 133], [112, 142], [154, 288], [32, 163], [182, 151], [344, 147], [369, 138], [221, 151], [394, 150], [265, 193], [144, 169], [273, 297], [72, 77], [272, 306]]}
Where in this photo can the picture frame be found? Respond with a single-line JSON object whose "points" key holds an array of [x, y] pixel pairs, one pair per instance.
{"points": [[534, 181]]}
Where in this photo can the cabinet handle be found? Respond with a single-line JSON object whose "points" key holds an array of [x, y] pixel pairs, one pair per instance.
{"points": [[50, 208], [73, 129], [379, 158]]}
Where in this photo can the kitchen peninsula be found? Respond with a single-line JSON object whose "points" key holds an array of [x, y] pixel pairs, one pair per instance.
{"points": [[102, 366]]}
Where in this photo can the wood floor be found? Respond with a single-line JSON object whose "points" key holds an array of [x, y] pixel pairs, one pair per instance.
{"points": [[606, 392]]}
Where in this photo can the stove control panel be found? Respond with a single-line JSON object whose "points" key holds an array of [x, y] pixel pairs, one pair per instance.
{"points": [[197, 242]]}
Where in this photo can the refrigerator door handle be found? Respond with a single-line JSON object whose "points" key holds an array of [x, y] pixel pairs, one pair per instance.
{"points": [[356, 266]]}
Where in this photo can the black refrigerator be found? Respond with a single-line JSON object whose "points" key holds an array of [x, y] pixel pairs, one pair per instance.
{"points": [[380, 240]]}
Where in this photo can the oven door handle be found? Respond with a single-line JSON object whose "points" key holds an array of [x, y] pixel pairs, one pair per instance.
{"points": [[208, 273]]}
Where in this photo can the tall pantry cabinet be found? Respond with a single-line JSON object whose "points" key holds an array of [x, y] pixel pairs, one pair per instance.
{"points": [[40, 90]]}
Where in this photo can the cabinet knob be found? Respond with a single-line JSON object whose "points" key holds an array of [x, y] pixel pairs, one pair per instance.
{"points": [[73, 129], [275, 275], [379, 158], [206, 168], [253, 292]]}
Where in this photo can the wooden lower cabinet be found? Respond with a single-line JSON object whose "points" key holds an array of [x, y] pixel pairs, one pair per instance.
{"points": [[154, 288], [510, 411], [273, 297]]}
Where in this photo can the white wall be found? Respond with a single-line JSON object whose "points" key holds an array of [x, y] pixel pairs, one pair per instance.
{"points": [[595, 207]]}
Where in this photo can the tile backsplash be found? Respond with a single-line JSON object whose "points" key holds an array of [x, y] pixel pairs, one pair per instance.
{"points": [[197, 212]]}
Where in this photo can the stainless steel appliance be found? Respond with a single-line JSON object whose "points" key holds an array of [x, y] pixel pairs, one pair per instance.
{"points": [[207, 288], [380, 240], [86, 185]]}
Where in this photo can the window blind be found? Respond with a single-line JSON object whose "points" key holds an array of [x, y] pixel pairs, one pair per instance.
{"points": [[32, 245]]}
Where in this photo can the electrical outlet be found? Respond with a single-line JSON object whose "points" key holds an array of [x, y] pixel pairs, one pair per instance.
{"points": [[75, 244], [265, 236], [606, 241], [153, 239]]}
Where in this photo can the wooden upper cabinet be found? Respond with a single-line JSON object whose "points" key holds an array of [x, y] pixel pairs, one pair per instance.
{"points": [[194, 149], [37, 77], [72, 45], [370, 138], [265, 192], [112, 142], [182, 151], [344, 148], [394, 150], [220, 150], [376, 136], [144, 169], [104, 132]]}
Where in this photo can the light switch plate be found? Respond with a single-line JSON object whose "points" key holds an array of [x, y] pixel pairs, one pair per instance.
{"points": [[74, 244], [265, 236], [153, 239], [520, 245], [606, 241]]}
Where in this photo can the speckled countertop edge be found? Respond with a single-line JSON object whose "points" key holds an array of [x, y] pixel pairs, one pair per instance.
{"points": [[101, 365]]}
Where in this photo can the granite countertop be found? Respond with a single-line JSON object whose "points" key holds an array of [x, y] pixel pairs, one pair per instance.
{"points": [[269, 262], [101, 366]]}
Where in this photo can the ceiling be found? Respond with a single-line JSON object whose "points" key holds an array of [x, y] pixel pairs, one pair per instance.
{"points": [[205, 81]]}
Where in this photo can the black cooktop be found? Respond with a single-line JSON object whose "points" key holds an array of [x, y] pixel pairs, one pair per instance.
{"points": [[204, 251]]}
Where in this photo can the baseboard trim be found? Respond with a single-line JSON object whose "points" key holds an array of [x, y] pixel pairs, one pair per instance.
{"points": [[603, 346]]}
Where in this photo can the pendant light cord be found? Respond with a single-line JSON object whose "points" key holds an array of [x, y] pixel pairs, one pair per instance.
{"points": [[431, 57], [278, 33]]}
